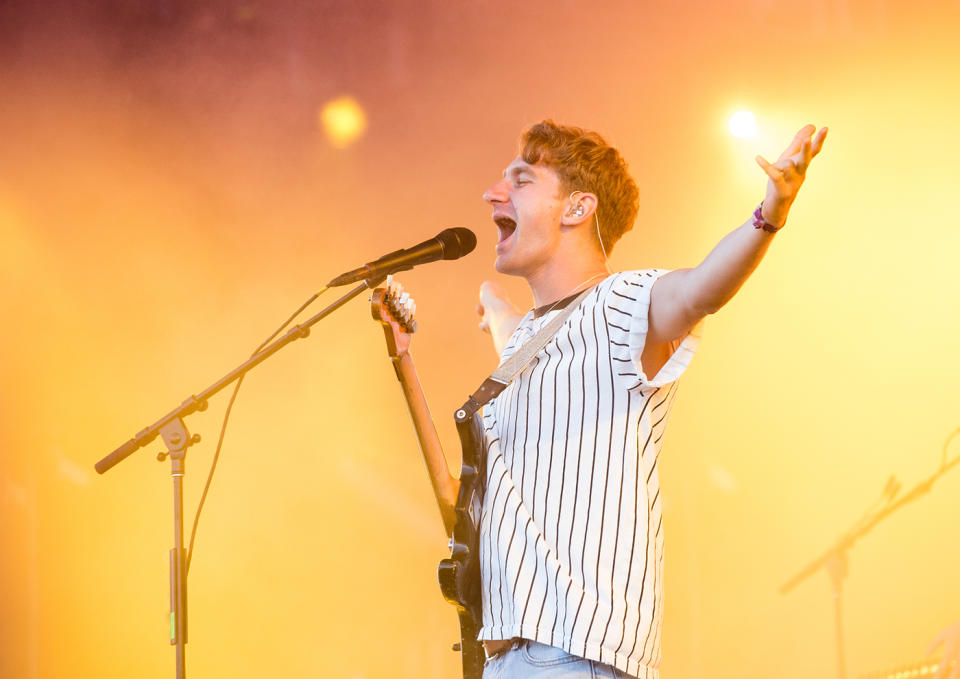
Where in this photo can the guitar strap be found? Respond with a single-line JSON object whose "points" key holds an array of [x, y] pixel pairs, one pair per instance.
{"points": [[513, 366]]}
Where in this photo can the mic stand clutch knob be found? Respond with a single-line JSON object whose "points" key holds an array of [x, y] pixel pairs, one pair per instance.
{"points": [[162, 455]]}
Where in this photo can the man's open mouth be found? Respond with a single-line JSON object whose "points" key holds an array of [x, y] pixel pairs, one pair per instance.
{"points": [[505, 227]]}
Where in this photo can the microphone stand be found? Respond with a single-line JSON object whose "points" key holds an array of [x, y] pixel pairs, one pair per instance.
{"points": [[173, 431], [834, 559]]}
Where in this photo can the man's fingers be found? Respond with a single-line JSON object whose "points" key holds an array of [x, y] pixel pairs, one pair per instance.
{"points": [[803, 133], [491, 294], [807, 151], [797, 142], [772, 172], [819, 139], [484, 325], [494, 300], [809, 147]]}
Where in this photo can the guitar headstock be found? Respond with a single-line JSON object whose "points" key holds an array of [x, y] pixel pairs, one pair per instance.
{"points": [[395, 309]]}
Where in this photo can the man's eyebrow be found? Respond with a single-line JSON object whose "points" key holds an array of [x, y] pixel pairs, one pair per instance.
{"points": [[518, 170]]}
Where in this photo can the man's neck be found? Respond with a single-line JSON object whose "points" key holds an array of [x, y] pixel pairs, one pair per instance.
{"points": [[557, 282]]}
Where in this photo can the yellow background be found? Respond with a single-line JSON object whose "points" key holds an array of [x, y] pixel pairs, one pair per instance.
{"points": [[167, 198]]}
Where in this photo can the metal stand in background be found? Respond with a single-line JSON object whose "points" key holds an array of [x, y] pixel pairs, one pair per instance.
{"points": [[174, 432], [837, 568], [834, 559], [175, 435]]}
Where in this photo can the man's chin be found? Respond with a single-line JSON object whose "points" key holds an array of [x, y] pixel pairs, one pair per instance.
{"points": [[502, 265]]}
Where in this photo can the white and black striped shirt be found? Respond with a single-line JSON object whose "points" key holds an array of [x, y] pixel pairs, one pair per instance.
{"points": [[571, 541]]}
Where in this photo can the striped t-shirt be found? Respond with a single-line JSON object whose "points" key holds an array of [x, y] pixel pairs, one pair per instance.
{"points": [[571, 541]]}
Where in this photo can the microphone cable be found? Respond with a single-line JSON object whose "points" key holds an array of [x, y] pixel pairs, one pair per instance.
{"points": [[226, 418], [946, 445]]}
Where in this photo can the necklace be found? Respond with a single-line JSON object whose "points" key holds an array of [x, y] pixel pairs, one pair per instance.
{"points": [[575, 289]]}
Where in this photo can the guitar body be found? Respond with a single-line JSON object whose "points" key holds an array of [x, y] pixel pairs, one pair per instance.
{"points": [[459, 575]]}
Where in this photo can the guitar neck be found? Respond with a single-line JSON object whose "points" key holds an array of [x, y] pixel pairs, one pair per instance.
{"points": [[444, 485]]}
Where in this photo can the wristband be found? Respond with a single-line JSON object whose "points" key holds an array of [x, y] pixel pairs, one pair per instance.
{"points": [[760, 223]]}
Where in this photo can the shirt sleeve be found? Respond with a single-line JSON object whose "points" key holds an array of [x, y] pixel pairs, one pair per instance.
{"points": [[626, 308]]}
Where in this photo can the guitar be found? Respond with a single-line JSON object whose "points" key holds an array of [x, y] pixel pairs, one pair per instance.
{"points": [[459, 575]]}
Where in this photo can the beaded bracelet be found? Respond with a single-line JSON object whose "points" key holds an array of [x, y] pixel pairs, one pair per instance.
{"points": [[760, 223]]}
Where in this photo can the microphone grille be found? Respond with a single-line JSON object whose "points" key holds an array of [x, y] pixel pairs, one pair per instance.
{"points": [[457, 242]]}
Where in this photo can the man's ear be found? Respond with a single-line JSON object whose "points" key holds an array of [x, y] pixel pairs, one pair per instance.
{"points": [[580, 209]]}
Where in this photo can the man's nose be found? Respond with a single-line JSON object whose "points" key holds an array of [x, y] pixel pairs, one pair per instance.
{"points": [[496, 193]]}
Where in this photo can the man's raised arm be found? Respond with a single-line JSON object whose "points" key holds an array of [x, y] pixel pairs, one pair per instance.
{"points": [[681, 298]]}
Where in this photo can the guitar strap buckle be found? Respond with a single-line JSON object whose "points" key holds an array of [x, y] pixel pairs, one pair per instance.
{"points": [[488, 391]]}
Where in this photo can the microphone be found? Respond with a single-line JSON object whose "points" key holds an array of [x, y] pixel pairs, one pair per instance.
{"points": [[448, 244]]}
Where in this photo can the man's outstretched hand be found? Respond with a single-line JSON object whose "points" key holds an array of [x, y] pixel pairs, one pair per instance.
{"points": [[788, 172], [498, 315]]}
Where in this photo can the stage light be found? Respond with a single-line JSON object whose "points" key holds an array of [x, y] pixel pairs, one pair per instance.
{"points": [[743, 124], [343, 120]]}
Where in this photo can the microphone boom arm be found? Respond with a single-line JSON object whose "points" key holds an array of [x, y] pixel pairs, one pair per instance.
{"points": [[199, 401]]}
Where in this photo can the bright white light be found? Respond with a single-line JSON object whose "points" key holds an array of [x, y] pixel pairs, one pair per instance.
{"points": [[343, 120], [743, 124]]}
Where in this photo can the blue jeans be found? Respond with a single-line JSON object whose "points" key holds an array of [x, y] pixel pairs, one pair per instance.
{"points": [[531, 660]]}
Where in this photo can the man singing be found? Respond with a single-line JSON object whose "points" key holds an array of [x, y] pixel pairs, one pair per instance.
{"points": [[571, 534]]}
